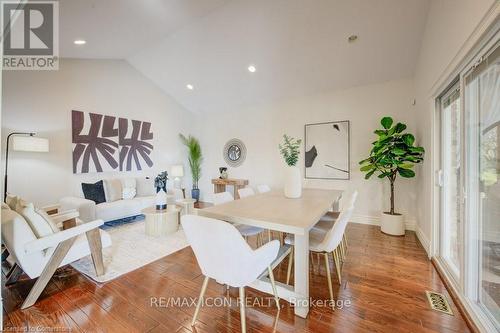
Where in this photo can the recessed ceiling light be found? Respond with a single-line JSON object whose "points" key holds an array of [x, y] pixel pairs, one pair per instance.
{"points": [[252, 69], [352, 38], [189, 86], [80, 42]]}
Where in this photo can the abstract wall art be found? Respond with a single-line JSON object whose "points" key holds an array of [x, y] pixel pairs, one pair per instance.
{"points": [[327, 150], [107, 143]]}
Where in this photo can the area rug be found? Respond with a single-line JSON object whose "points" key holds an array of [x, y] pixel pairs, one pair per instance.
{"points": [[130, 250]]}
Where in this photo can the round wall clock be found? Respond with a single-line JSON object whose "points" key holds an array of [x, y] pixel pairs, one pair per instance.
{"points": [[234, 152]]}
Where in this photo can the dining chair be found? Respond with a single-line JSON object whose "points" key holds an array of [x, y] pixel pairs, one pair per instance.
{"points": [[263, 188], [245, 230], [224, 256], [322, 242], [246, 192], [327, 221]]}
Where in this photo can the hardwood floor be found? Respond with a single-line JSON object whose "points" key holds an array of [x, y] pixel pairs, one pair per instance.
{"points": [[384, 279]]}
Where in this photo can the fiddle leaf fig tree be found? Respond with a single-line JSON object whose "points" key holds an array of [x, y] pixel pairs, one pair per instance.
{"points": [[392, 154]]}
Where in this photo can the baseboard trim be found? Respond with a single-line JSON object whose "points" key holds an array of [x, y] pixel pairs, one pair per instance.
{"points": [[455, 297], [410, 223], [426, 244]]}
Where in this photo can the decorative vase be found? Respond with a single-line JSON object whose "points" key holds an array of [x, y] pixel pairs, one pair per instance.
{"points": [[392, 224], [195, 194], [293, 182], [161, 199]]}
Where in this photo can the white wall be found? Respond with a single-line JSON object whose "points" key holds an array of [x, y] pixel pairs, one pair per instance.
{"points": [[450, 24], [41, 101], [261, 129]]}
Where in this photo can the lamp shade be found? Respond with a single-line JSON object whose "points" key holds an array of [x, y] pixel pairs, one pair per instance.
{"points": [[30, 143], [177, 171]]}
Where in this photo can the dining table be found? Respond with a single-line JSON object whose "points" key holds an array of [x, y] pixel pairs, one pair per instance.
{"points": [[273, 211]]}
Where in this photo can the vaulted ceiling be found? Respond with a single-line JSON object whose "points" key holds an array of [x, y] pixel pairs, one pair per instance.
{"points": [[298, 47]]}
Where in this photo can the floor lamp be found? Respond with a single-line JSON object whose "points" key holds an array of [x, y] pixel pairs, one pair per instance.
{"points": [[23, 141]]}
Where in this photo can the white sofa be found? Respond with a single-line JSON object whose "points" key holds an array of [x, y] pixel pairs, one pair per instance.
{"points": [[115, 208]]}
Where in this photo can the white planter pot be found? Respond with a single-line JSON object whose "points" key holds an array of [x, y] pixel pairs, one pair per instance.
{"points": [[392, 224], [293, 182]]}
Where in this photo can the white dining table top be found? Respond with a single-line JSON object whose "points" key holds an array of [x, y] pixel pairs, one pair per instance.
{"points": [[272, 210]]}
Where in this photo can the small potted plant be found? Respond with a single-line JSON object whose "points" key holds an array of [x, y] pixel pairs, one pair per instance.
{"points": [[195, 158], [290, 150], [392, 154]]}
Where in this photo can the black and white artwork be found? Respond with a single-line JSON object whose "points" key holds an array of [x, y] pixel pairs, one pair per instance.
{"points": [[327, 150], [108, 143]]}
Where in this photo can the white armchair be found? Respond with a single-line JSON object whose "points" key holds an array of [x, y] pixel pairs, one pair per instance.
{"points": [[223, 255], [39, 257]]}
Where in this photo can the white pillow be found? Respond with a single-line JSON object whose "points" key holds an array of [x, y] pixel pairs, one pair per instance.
{"points": [[11, 201], [129, 193], [40, 226], [112, 189], [129, 188], [145, 187], [48, 219]]}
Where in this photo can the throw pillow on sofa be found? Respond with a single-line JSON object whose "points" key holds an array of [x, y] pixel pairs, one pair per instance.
{"points": [[145, 187], [129, 188], [94, 192], [129, 193], [113, 190]]}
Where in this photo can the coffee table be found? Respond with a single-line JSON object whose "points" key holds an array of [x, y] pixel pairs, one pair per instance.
{"points": [[161, 222]]}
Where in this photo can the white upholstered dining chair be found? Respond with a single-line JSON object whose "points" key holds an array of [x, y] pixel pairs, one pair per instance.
{"points": [[246, 192], [325, 242], [327, 221], [245, 230], [263, 188], [223, 255]]}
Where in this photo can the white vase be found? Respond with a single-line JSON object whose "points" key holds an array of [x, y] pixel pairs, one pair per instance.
{"points": [[293, 182], [161, 200], [392, 224]]}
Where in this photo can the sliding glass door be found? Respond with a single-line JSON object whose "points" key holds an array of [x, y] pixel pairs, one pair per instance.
{"points": [[482, 110], [469, 179], [450, 178]]}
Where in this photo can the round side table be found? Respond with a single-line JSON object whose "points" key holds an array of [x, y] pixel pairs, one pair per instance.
{"points": [[161, 222], [186, 205]]}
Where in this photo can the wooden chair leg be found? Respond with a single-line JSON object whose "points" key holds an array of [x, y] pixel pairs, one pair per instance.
{"points": [[200, 299], [95, 244], [44, 278], [341, 252], [289, 270], [13, 275], [337, 264], [242, 310], [329, 278], [344, 247], [273, 284]]}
